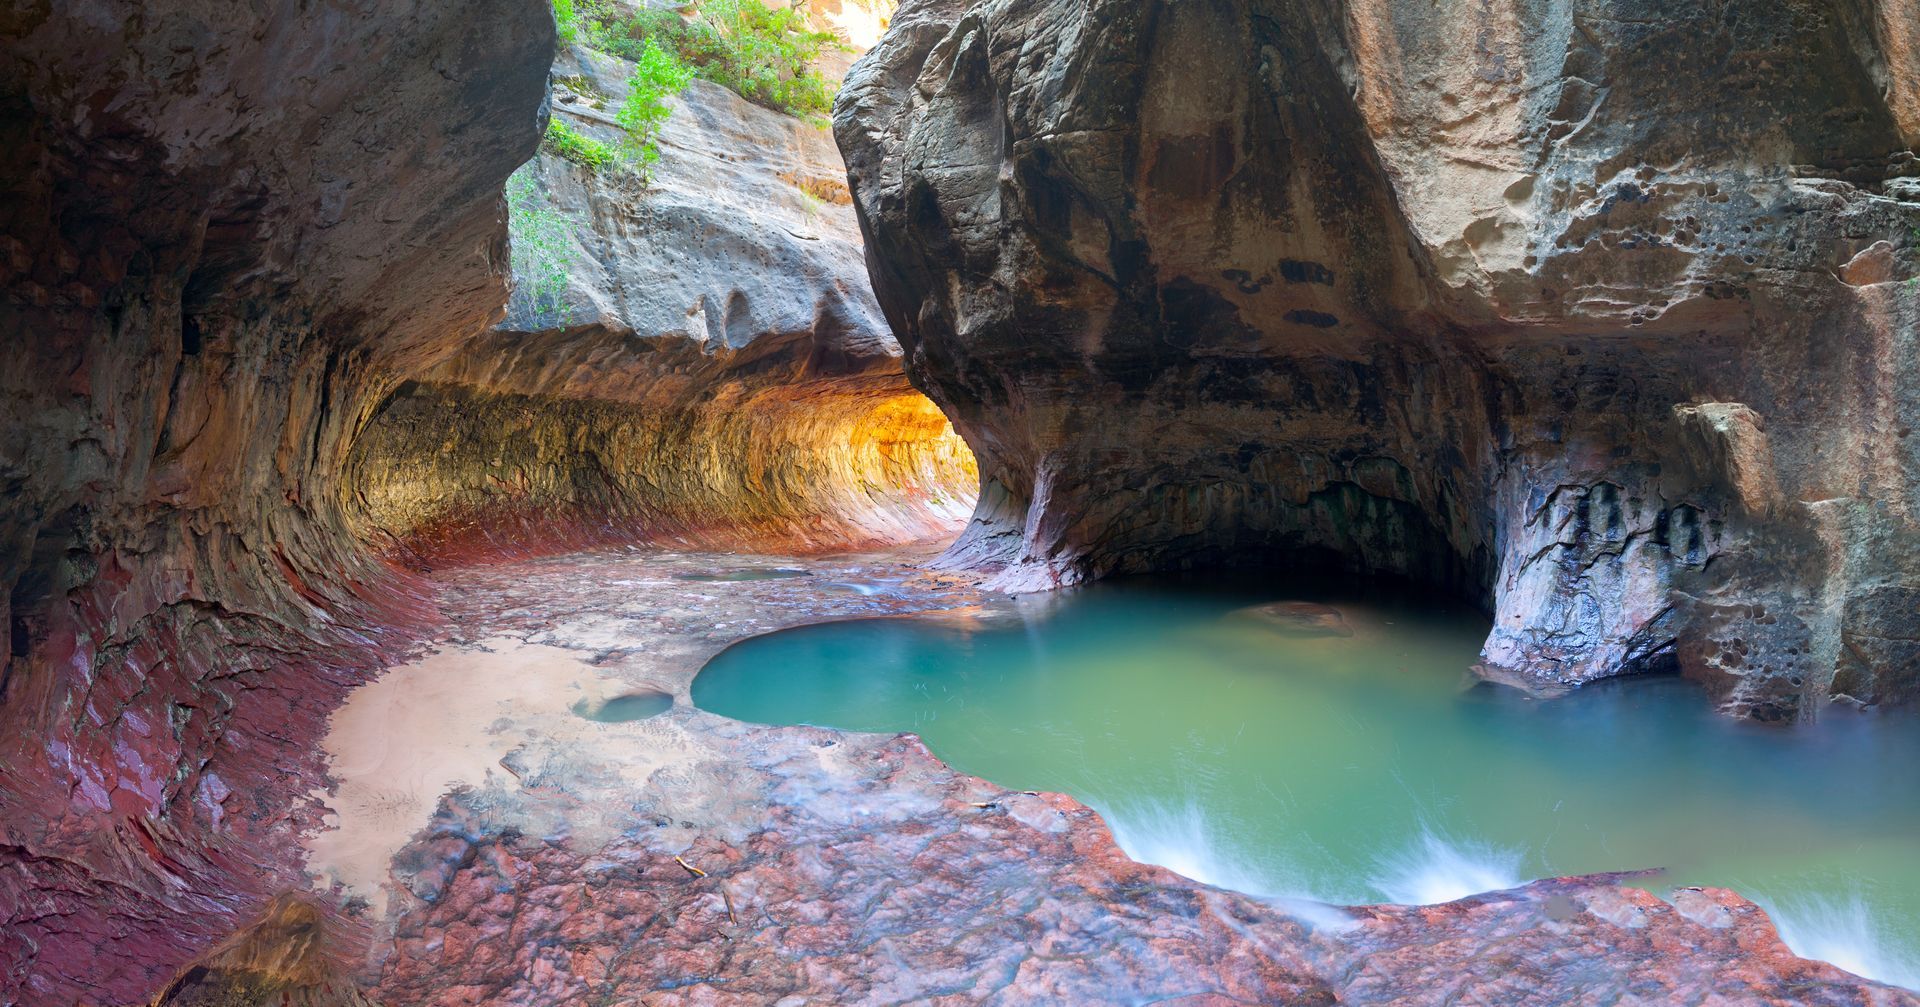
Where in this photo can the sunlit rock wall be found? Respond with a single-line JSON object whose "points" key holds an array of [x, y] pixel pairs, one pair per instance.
{"points": [[1601, 314], [228, 229], [711, 371], [455, 473]]}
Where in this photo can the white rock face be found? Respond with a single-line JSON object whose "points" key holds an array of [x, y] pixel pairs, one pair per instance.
{"points": [[745, 228], [713, 369]]}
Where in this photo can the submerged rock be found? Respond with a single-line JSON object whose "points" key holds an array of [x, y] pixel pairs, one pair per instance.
{"points": [[625, 708], [1603, 318], [1297, 618]]}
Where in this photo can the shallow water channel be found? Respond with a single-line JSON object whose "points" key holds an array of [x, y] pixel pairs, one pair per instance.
{"points": [[1334, 748]]}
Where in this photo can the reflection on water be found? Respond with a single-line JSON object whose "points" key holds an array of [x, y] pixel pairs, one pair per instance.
{"points": [[1267, 752]]}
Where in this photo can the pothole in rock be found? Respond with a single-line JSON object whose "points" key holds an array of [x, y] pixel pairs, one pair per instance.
{"points": [[1303, 740], [625, 708]]}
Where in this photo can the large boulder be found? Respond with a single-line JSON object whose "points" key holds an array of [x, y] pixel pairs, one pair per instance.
{"points": [[1602, 315]]}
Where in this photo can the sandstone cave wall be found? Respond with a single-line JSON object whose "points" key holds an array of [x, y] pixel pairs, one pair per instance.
{"points": [[1598, 313], [256, 257], [452, 473], [229, 229], [712, 371]]}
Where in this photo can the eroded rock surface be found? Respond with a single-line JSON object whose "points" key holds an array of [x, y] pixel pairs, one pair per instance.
{"points": [[1600, 314], [712, 370], [1297, 618], [253, 255], [692, 859], [229, 228]]}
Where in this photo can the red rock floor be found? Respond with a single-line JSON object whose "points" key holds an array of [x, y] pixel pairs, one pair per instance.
{"points": [[846, 868]]}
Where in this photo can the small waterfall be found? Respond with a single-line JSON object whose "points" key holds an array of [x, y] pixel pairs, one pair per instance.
{"points": [[1182, 841], [863, 590], [1843, 930], [1436, 868]]}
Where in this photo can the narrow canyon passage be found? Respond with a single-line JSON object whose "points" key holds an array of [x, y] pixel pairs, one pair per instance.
{"points": [[459, 475], [576, 502]]}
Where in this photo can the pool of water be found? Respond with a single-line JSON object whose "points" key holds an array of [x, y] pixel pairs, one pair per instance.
{"points": [[1345, 756], [745, 574], [625, 709]]}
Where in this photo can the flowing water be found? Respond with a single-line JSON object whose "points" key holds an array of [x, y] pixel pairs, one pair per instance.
{"points": [[1271, 754]]}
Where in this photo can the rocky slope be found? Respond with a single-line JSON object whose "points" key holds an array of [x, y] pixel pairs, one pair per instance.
{"points": [[711, 370], [1599, 314], [230, 228]]}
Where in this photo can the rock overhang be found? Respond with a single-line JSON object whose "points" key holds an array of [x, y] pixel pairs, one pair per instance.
{"points": [[1206, 282]]}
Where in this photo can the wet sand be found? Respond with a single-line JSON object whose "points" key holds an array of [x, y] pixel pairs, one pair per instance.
{"points": [[498, 707], [422, 730]]}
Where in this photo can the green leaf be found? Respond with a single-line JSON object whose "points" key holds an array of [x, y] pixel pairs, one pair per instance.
{"points": [[763, 54], [541, 249]]}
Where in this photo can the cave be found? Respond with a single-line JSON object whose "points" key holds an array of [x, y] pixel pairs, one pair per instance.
{"points": [[953, 501]]}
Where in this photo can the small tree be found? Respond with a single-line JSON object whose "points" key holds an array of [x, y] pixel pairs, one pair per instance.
{"points": [[566, 21], [541, 250], [656, 76]]}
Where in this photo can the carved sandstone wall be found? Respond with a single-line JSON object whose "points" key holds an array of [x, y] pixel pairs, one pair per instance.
{"points": [[711, 371], [230, 228], [1598, 313]]}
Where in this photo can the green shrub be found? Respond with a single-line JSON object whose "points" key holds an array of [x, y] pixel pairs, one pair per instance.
{"points": [[541, 250], [656, 75], [762, 54], [579, 148], [1913, 282]]}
